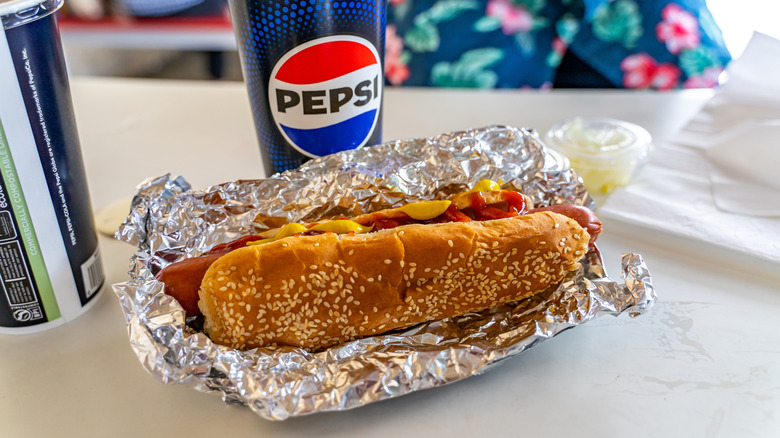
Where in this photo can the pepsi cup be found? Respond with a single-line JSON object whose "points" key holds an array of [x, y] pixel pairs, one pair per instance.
{"points": [[50, 266], [313, 70]]}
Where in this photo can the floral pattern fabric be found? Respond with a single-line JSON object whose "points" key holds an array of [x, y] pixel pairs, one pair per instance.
{"points": [[640, 44]]}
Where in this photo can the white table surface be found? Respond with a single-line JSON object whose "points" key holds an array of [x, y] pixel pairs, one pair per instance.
{"points": [[704, 362]]}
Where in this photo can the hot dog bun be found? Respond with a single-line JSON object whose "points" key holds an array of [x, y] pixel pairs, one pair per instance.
{"points": [[318, 291]]}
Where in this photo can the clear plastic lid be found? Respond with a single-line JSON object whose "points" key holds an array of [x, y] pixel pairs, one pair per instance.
{"points": [[15, 13], [600, 139]]}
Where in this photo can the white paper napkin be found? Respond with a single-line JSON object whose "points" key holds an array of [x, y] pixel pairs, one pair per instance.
{"points": [[744, 167], [753, 77], [720, 180]]}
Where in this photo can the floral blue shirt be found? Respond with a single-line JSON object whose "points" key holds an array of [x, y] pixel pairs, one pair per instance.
{"points": [[641, 44]]}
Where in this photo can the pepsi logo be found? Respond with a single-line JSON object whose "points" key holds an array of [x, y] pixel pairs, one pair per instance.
{"points": [[325, 95]]}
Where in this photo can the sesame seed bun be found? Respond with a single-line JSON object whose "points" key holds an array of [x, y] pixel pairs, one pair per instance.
{"points": [[318, 291]]}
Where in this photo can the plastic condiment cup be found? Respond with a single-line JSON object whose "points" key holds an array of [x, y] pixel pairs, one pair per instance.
{"points": [[604, 152]]}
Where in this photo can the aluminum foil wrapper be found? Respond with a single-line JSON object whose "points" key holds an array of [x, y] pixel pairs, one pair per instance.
{"points": [[168, 222]]}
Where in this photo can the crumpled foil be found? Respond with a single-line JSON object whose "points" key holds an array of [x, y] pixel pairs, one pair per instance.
{"points": [[169, 221]]}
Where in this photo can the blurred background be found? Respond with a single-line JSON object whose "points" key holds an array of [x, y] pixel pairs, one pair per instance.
{"points": [[193, 39]]}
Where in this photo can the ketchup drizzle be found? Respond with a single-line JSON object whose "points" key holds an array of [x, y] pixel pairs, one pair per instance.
{"points": [[235, 244], [478, 210]]}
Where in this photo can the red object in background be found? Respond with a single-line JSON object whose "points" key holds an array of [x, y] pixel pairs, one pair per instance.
{"points": [[133, 24]]}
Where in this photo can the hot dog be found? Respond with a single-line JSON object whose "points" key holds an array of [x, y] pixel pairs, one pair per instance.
{"points": [[321, 284]]}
